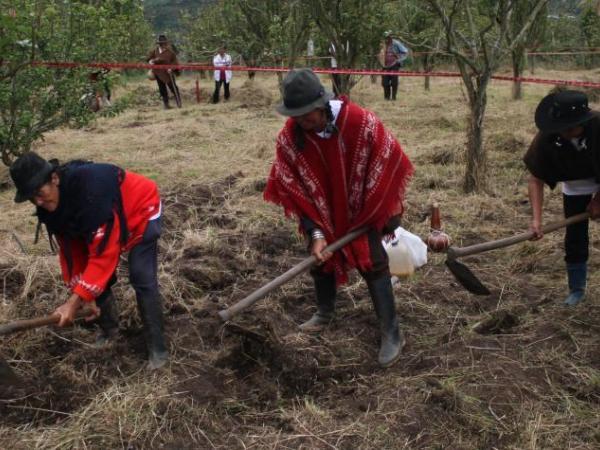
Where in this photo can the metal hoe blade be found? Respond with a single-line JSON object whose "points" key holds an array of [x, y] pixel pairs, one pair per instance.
{"points": [[7, 375], [466, 278]]}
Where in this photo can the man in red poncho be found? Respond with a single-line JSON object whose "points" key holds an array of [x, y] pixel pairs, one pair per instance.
{"points": [[337, 169]]}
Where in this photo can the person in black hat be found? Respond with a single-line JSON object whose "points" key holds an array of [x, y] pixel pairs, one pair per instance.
{"points": [[164, 54], [567, 149], [338, 169], [95, 212]]}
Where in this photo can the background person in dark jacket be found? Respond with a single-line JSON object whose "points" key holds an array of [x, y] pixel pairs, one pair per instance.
{"points": [[567, 150], [164, 54], [96, 212]]}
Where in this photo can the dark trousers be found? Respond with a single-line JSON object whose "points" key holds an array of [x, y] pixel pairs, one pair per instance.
{"points": [[390, 86], [576, 235], [143, 263], [381, 266], [164, 93], [218, 89], [143, 266]]}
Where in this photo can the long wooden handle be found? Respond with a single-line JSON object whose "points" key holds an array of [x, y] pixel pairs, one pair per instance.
{"points": [[458, 252], [28, 324], [306, 264]]}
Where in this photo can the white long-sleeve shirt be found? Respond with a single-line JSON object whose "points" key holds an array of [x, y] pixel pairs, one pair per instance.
{"points": [[222, 61]]}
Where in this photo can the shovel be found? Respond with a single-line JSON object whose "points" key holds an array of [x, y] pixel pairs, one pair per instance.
{"points": [[468, 279], [302, 267], [7, 375]]}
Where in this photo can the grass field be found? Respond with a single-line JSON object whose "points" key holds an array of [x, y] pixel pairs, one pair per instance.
{"points": [[528, 378]]}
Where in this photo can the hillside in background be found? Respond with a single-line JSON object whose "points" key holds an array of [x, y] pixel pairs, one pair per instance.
{"points": [[560, 7], [165, 14]]}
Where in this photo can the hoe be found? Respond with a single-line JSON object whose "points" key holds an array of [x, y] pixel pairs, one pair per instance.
{"points": [[462, 273], [7, 375], [468, 279]]}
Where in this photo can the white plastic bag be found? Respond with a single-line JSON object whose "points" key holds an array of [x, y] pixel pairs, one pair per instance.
{"points": [[406, 251]]}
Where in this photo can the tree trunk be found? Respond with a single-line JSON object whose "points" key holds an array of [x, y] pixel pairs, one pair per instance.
{"points": [[427, 64], [345, 84], [532, 64], [518, 63], [475, 175]]}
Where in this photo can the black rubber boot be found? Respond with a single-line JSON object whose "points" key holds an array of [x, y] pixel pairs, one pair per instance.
{"points": [[166, 103], [577, 275], [108, 320], [325, 292], [383, 301], [394, 91], [150, 309]]}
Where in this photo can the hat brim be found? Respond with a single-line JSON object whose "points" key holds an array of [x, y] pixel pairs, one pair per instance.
{"points": [[21, 197], [547, 124], [35, 183], [295, 112]]}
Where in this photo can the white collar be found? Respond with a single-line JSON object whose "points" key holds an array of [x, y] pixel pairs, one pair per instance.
{"points": [[336, 106]]}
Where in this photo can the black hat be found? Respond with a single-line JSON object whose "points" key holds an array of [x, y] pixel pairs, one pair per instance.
{"points": [[302, 93], [562, 110], [162, 39], [29, 172]]}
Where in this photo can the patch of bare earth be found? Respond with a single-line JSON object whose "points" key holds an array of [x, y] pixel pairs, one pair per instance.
{"points": [[513, 370]]}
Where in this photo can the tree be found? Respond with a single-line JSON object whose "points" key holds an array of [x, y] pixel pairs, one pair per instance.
{"points": [[423, 33], [343, 24], [256, 29], [35, 99], [477, 35], [590, 24], [531, 39]]}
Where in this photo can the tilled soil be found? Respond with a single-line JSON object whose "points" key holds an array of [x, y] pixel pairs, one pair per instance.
{"points": [[472, 371]]}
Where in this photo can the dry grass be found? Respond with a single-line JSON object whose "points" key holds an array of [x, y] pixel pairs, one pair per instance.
{"points": [[528, 379]]}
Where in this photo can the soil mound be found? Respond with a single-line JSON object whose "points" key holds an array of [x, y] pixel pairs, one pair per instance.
{"points": [[251, 95]]}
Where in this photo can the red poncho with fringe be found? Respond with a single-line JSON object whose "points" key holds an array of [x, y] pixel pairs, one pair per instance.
{"points": [[356, 177]]}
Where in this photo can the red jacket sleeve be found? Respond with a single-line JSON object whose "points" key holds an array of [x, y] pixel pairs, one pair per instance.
{"points": [[79, 258], [99, 268]]}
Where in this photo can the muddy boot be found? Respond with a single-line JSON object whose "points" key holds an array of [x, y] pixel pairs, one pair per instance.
{"points": [[166, 103], [108, 320], [383, 301], [150, 309], [577, 274], [325, 293]]}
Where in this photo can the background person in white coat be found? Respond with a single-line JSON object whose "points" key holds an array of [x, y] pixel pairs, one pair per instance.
{"points": [[222, 61]]}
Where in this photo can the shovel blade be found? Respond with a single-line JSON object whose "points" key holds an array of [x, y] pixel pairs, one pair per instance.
{"points": [[466, 278], [7, 375]]}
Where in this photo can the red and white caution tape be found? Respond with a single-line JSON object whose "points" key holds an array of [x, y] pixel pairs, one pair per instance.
{"points": [[200, 67]]}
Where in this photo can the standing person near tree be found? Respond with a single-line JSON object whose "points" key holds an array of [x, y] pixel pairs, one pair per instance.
{"points": [[96, 212], [391, 57], [164, 54], [567, 149], [337, 169], [222, 61]]}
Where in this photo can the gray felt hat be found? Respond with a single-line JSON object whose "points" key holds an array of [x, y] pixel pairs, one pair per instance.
{"points": [[302, 93]]}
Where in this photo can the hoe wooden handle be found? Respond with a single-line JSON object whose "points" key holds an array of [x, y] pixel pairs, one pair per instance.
{"points": [[306, 264], [458, 252], [28, 324]]}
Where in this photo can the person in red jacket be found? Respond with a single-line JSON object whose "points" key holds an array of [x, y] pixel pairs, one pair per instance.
{"points": [[96, 212], [338, 169]]}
